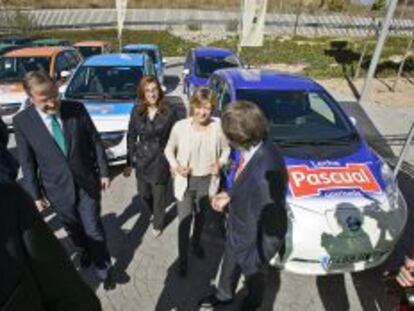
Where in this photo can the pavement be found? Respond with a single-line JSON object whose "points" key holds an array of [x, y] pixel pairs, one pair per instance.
{"points": [[146, 266]]}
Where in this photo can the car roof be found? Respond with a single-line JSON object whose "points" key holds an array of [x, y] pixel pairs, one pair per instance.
{"points": [[120, 59], [91, 43], [47, 51], [212, 51], [49, 41], [145, 46], [267, 79], [14, 38]]}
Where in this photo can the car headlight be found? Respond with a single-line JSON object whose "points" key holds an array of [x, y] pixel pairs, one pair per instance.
{"points": [[391, 185]]}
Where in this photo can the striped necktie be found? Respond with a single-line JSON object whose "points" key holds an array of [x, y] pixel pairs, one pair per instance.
{"points": [[57, 134], [240, 166]]}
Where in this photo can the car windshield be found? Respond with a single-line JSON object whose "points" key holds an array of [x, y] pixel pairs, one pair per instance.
{"points": [[15, 68], [301, 117], [87, 51], [205, 66], [151, 53], [105, 82]]}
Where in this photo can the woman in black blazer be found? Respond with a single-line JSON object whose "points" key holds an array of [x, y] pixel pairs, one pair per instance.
{"points": [[149, 128]]}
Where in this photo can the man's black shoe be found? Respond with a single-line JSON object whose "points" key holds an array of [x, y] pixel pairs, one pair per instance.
{"points": [[109, 282], [212, 301], [85, 260], [182, 269], [198, 251]]}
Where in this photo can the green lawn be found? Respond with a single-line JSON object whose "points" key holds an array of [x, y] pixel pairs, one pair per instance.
{"points": [[321, 56]]}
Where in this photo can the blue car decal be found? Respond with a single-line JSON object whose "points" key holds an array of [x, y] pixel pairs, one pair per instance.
{"points": [[109, 109], [354, 175]]}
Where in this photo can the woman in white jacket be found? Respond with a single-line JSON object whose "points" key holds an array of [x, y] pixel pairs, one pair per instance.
{"points": [[196, 151]]}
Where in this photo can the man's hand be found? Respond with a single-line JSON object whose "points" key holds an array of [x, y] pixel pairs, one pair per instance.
{"points": [[405, 277], [220, 201], [214, 168], [42, 204], [181, 170], [105, 183], [127, 171]]}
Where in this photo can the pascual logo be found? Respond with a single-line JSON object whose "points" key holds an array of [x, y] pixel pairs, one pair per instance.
{"points": [[305, 181]]}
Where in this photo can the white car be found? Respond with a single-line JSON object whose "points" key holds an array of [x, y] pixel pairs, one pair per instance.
{"points": [[58, 62], [107, 85], [345, 211]]}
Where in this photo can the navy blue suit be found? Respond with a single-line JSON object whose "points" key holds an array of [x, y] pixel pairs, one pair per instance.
{"points": [[256, 223], [71, 183]]}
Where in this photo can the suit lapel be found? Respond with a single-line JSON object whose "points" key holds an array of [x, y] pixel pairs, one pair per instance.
{"points": [[43, 131], [248, 169]]}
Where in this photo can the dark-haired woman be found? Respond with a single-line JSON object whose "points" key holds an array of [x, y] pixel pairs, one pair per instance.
{"points": [[149, 128]]}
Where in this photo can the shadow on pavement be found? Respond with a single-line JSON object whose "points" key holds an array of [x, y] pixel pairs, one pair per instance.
{"points": [[184, 293], [123, 242]]}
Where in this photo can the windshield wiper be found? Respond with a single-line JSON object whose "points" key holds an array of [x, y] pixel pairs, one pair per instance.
{"points": [[91, 95], [338, 141]]}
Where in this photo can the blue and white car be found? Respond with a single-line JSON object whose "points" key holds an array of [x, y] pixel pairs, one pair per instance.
{"points": [[201, 62], [345, 210], [107, 85], [154, 52]]}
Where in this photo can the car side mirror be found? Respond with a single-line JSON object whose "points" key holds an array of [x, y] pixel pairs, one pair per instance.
{"points": [[64, 74], [186, 72], [353, 120]]}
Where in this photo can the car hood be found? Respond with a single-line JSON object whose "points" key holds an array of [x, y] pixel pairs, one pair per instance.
{"points": [[321, 185], [110, 116], [12, 92], [197, 81]]}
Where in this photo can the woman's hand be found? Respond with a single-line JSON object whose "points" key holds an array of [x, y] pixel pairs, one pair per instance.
{"points": [[215, 168], [127, 171], [180, 170]]}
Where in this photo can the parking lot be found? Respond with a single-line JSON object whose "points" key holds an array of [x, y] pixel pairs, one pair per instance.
{"points": [[146, 266]]}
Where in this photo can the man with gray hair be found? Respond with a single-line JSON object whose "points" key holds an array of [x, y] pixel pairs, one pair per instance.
{"points": [[64, 165]]}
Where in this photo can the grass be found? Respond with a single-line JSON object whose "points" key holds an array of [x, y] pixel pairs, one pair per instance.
{"points": [[321, 56], [322, 60]]}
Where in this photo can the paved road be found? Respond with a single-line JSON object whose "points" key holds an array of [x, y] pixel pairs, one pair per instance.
{"points": [[146, 266]]}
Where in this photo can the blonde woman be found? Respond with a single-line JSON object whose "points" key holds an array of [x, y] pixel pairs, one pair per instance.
{"points": [[196, 151]]}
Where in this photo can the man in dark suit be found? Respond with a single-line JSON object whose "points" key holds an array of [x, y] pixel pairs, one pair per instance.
{"points": [[36, 273], [257, 221], [64, 165]]}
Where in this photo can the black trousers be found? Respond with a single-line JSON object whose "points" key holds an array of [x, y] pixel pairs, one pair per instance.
{"points": [[155, 197], [193, 206], [83, 224], [229, 277]]}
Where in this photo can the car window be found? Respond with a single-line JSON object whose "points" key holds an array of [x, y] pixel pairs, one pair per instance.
{"points": [[299, 115], [105, 82], [205, 66], [15, 68], [62, 63], [73, 59], [319, 106]]}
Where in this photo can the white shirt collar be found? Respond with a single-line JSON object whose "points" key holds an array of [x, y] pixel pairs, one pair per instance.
{"points": [[248, 154]]}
